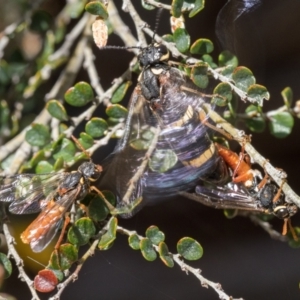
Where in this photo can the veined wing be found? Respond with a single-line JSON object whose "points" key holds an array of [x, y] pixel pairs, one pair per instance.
{"points": [[43, 229], [29, 193]]}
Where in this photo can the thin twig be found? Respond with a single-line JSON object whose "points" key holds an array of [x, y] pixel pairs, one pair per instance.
{"points": [[19, 262], [276, 174], [141, 169], [185, 267]]}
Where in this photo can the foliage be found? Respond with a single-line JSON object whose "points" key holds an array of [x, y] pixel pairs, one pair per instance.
{"points": [[36, 126]]}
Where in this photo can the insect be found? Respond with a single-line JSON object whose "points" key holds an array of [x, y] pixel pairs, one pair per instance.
{"points": [[52, 194], [166, 148]]}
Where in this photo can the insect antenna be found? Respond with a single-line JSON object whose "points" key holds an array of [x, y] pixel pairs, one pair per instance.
{"points": [[76, 141], [157, 19]]}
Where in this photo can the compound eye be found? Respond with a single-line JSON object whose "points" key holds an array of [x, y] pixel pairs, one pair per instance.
{"points": [[162, 49], [281, 212]]}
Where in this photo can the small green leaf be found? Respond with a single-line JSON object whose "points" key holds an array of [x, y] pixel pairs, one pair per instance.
{"points": [[85, 140], [202, 46], [198, 6], [97, 209], [281, 124], [96, 127], [147, 249], [176, 7], [37, 157], [226, 58], [108, 238], [243, 78], [63, 258], [97, 8], [287, 95], [134, 242], [228, 71], [189, 248], [199, 75], [38, 135], [116, 111], [120, 92], [222, 94], [255, 122], [65, 150], [209, 60], [58, 165], [162, 160], [182, 39], [80, 94], [68, 254], [57, 110], [44, 167], [168, 38], [258, 93], [155, 235], [81, 232], [6, 264], [165, 255]]}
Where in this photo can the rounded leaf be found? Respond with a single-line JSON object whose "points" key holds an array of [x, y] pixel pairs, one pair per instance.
{"points": [[258, 93], [97, 209], [222, 94], [58, 165], [45, 281], [66, 150], [226, 58], [67, 254], [287, 95], [182, 39], [97, 8], [199, 75], [57, 110], [202, 46], [37, 157], [230, 213], [189, 248], [80, 94], [5, 262], [147, 249], [108, 238], [96, 127], [255, 122], [44, 167], [209, 60], [176, 7], [164, 255], [198, 5], [85, 140], [162, 160], [134, 242], [243, 78], [155, 235], [38, 135], [281, 124], [81, 232], [116, 111], [120, 92]]}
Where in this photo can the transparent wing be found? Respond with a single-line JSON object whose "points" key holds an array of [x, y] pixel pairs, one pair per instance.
{"points": [[28, 193], [43, 229], [182, 154]]}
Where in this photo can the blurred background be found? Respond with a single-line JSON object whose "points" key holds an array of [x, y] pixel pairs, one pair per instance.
{"points": [[238, 254]]}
